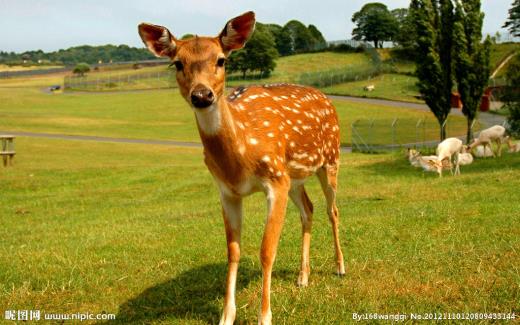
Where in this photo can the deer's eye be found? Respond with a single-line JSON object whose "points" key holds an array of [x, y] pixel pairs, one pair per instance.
{"points": [[178, 65], [221, 62]]}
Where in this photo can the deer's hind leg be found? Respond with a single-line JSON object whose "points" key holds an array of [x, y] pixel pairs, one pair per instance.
{"points": [[328, 176], [300, 198]]}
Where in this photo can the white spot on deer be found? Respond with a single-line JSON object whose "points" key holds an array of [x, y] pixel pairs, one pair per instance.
{"points": [[292, 144], [289, 122], [278, 173], [266, 158], [266, 123], [241, 149], [300, 155], [270, 134], [276, 98], [253, 141]]}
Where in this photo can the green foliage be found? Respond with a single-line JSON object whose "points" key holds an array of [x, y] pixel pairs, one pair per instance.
{"points": [[186, 36], [434, 20], [258, 54], [471, 58], [374, 23], [301, 38], [513, 21], [513, 96], [318, 39], [405, 37], [81, 69], [84, 53], [282, 38]]}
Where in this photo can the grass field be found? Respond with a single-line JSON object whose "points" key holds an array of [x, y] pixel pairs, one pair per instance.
{"points": [[120, 228], [158, 114], [387, 86]]}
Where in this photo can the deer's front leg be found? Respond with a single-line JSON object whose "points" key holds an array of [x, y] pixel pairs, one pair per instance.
{"points": [[277, 194], [232, 211]]}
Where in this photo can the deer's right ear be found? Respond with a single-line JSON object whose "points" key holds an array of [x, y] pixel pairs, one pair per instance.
{"points": [[157, 39], [237, 31]]}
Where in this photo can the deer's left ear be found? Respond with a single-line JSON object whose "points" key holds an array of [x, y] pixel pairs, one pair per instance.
{"points": [[237, 31]]}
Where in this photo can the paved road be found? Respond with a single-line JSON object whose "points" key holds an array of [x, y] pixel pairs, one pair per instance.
{"points": [[101, 139], [487, 119]]}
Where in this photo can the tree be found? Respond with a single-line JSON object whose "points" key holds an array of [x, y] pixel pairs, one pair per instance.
{"points": [[513, 21], [434, 20], [471, 58], [405, 35], [319, 41], [258, 54], [282, 38], [513, 95], [374, 23], [301, 38], [81, 68]]}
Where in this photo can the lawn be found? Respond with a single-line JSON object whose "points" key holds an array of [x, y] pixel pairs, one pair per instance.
{"points": [[388, 86], [157, 114], [135, 230]]}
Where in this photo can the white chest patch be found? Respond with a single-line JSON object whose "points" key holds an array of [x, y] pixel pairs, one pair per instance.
{"points": [[209, 119]]}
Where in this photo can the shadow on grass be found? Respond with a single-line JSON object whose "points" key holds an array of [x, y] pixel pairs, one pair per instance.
{"points": [[193, 294]]}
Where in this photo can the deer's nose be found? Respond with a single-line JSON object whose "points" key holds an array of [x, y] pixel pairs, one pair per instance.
{"points": [[202, 97]]}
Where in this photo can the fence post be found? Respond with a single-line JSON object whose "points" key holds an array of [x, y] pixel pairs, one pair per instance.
{"points": [[417, 126], [394, 124]]}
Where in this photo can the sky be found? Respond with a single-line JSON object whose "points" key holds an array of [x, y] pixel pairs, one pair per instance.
{"points": [[54, 24]]}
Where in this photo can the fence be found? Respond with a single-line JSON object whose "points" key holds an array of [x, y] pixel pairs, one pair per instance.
{"points": [[130, 81], [396, 134]]}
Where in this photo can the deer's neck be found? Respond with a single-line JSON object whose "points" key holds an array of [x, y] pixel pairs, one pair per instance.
{"points": [[223, 146]]}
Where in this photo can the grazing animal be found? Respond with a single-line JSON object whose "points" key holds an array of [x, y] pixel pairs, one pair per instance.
{"points": [[486, 137], [513, 147], [482, 152], [427, 163], [260, 138], [465, 158], [448, 149]]}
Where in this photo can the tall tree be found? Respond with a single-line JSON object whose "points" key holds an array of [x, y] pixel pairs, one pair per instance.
{"points": [[405, 36], [471, 58], [282, 39], [258, 54], [319, 41], [374, 23], [302, 40], [513, 21], [434, 20]]}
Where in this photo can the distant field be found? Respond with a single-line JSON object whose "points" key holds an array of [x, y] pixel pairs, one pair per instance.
{"points": [[4, 67], [136, 230], [159, 114], [387, 86]]}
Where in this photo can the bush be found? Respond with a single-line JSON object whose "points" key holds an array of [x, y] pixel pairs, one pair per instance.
{"points": [[514, 119], [81, 68]]}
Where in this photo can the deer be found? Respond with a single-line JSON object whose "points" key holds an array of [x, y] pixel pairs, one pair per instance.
{"points": [[266, 138]]}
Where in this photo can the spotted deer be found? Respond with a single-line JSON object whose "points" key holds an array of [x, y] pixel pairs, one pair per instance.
{"points": [[267, 138]]}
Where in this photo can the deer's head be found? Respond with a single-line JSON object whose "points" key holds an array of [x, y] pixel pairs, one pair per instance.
{"points": [[199, 61]]}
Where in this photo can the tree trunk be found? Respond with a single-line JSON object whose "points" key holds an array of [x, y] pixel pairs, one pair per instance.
{"points": [[442, 126], [469, 134], [376, 43]]}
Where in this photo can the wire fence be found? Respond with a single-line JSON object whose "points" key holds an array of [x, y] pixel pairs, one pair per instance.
{"points": [[379, 135], [133, 81]]}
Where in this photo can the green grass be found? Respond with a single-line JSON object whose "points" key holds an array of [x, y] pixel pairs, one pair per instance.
{"points": [[289, 68], [136, 230], [387, 86], [158, 114]]}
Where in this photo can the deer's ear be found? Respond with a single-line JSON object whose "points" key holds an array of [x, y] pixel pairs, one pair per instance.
{"points": [[237, 31], [157, 39]]}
